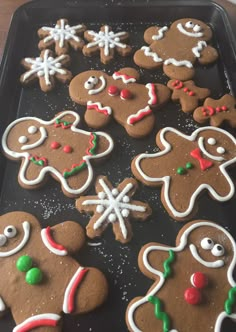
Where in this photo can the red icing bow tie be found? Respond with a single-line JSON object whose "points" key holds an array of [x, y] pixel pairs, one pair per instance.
{"points": [[204, 163]]}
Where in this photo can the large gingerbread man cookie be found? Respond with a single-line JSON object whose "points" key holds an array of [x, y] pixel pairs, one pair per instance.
{"points": [[56, 147], [177, 48], [119, 96], [39, 280], [194, 289], [186, 166]]}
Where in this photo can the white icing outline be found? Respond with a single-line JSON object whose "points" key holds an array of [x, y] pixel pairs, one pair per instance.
{"points": [[48, 245], [118, 76], [26, 228], [144, 110], [160, 33], [178, 63], [2, 305], [151, 93], [100, 88], [50, 169], [99, 105], [149, 53], [113, 206], [50, 316], [187, 33], [197, 49], [203, 186], [160, 283], [40, 141]]}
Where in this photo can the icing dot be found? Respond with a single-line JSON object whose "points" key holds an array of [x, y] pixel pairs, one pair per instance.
{"points": [[52, 72], [32, 130], [101, 195], [40, 73], [22, 139], [100, 209], [126, 199], [67, 149], [55, 145], [3, 240], [197, 28], [112, 217], [211, 141], [24, 263], [199, 280], [34, 276], [125, 213], [115, 192], [113, 90], [220, 150], [125, 94], [192, 295]]}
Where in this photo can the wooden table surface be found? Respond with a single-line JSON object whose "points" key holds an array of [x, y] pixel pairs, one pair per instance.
{"points": [[7, 8]]}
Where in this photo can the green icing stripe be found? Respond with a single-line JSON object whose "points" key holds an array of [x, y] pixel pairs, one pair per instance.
{"points": [[231, 300], [65, 123], [160, 314], [167, 262], [93, 142], [75, 170], [39, 162]]}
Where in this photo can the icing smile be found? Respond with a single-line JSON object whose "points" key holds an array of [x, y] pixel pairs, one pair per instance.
{"points": [[37, 143], [26, 228], [215, 264], [202, 148], [195, 30], [93, 81]]}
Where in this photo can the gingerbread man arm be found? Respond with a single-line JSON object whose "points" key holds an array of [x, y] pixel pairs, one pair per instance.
{"points": [[207, 55], [155, 33]]}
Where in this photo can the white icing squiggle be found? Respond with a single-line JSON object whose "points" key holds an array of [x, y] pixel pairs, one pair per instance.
{"points": [[178, 63], [99, 106], [160, 34], [149, 53], [125, 78], [197, 49]]}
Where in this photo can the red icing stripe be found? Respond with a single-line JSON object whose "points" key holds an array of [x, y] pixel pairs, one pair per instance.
{"points": [[51, 241], [154, 96], [99, 110], [73, 289], [37, 323], [139, 116]]}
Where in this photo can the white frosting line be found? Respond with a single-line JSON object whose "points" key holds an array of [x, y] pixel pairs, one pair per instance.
{"points": [[100, 107], [40, 141], [26, 228], [188, 33], [197, 49], [221, 318], [195, 254], [178, 63], [149, 53], [203, 186], [101, 88], [2, 305], [51, 248], [49, 316], [151, 93], [136, 115], [160, 33]]}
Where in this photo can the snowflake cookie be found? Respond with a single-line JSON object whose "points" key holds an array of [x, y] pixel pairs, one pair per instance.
{"points": [[106, 42], [40, 281], [46, 69], [63, 36], [57, 148], [194, 287], [113, 206]]}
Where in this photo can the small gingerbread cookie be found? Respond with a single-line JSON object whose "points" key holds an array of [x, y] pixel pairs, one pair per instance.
{"points": [[194, 278], [177, 48], [217, 111], [57, 148], [187, 93], [39, 279], [106, 42], [186, 166], [62, 36], [46, 69], [119, 96], [113, 206]]}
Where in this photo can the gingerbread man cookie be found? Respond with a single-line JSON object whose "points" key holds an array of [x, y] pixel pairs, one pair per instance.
{"points": [[118, 96], [46, 69], [188, 94], [62, 36], [177, 48], [114, 206], [39, 278], [186, 166], [106, 42], [55, 147], [194, 288], [217, 111]]}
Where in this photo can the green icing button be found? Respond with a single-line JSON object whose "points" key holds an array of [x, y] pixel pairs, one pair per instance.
{"points": [[189, 165], [24, 263], [34, 276], [181, 171]]}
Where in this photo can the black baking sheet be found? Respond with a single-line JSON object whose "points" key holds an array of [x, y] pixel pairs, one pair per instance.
{"points": [[118, 262]]}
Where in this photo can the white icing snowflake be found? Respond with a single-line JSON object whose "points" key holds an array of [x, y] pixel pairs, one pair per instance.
{"points": [[106, 39], [45, 66], [62, 32], [113, 206]]}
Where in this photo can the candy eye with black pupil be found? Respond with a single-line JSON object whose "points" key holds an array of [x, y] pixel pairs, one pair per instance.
{"points": [[10, 231], [207, 243], [218, 250], [189, 24]]}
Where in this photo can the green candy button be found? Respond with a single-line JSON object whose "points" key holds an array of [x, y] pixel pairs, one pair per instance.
{"points": [[24, 263], [189, 165], [181, 170], [34, 276]]}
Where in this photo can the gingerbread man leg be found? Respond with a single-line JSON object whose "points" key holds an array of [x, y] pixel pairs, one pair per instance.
{"points": [[44, 322], [147, 58], [183, 73]]}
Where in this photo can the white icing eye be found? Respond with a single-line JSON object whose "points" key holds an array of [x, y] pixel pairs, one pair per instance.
{"points": [[207, 243], [10, 231], [89, 84], [32, 130], [93, 79], [22, 139], [3, 240], [211, 141], [189, 25], [220, 150], [218, 250], [197, 28]]}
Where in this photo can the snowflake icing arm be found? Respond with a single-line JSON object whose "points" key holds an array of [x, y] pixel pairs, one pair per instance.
{"points": [[114, 206], [63, 36], [107, 43]]}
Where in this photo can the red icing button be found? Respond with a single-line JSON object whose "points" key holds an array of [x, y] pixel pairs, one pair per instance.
{"points": [[113, 90], [224, 108], [192, 295], [125, 94], [55, 145], [191, 93], [67, 149], [199, 280]]}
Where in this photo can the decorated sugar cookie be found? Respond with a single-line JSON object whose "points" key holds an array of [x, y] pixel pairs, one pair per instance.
{"points": [[217, 111], [106, 42], [57, 148], [120, 97], [187, 166], [46, 69], [177, 48], [193, 288], [39, 279], [62, 36], [113, 206]]}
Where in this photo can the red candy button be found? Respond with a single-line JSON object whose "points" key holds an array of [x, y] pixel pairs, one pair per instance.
{"points": [[55, 145], [125, 94], [67, 149], [192, 295], [199, 280], [113, 90]]}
